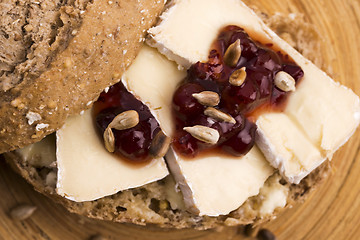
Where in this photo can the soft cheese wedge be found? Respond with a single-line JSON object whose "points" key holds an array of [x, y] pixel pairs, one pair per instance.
{"points": [[217, 185], [211, 185], [87, 171], [323, 113], [284, 146], [153, 79]]}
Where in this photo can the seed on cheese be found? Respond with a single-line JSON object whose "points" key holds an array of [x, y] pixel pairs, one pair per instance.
{"points": [[232, 54], [87, 171], [238, 77], [219, 115], [109, 140], [125, 120], [284, 81], [204, 134], [159, 145], [207, 98], [323, 113]]}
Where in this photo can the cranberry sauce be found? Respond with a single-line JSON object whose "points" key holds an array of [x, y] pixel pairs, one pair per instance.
{"points": [[133, 143], [258, 90]]}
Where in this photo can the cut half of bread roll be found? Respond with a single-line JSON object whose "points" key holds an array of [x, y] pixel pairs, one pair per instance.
{"points": [[92, 46]]}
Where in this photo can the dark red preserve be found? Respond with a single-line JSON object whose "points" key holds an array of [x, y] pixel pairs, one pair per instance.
{"points": [[133, 143], [258, 90]]}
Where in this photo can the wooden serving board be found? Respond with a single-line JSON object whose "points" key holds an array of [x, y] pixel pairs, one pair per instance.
{"points": [[331, 212]]}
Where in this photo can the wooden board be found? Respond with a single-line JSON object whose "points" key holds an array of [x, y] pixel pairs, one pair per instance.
{"points": [[331, 212]]}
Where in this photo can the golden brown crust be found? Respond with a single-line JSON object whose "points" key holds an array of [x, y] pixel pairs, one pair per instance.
{"points": [[138, 205], [106, 43]]}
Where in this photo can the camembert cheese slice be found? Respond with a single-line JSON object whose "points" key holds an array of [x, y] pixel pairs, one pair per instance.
{"points": [[216, 185], [323, 113], [87, 171], [211, 185]]}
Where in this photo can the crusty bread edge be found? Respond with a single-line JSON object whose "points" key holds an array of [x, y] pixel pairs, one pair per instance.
{"points": [[107, 41]]}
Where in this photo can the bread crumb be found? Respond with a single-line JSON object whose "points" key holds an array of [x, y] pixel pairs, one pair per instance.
{"points": [[33, 117], [41, 126]]}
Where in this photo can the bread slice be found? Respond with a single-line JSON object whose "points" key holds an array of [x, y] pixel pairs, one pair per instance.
{"points": [[58, 56], [160, 202]]}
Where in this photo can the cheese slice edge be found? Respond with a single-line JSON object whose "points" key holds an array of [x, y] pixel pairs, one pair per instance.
{"points": [[87, 171]]}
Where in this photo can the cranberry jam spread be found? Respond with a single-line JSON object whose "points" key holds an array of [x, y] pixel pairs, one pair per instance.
{"points": [[133, 143], [224, 93]]}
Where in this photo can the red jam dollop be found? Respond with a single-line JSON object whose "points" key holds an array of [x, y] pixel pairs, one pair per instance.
{"points": [[258, 90], [134, 143]]}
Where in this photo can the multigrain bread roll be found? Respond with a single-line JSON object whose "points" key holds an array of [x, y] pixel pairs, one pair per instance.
{"points": [[58, 56], [159, 202]]}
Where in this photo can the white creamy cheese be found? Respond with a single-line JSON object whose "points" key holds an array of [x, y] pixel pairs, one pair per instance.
{"points": [[40, 154], [87, 171], [274, 195], [323, 113], [189, 27], [154, 79], [217, 185], [211, 185], [286, 147]]}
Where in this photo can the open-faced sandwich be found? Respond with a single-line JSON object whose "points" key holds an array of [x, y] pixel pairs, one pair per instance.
{"points": [[218, 121]]}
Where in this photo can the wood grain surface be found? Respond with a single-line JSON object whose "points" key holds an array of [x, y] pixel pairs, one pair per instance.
{"points": [[331, 212]]}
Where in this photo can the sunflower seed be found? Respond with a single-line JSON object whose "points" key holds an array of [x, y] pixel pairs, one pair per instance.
{"points": [[284, 81], [204, 134], [233, 54], [238, 77], [207, 98], [125, 120], [219, 115], [109, 140], [22, 212], [159, 145]]}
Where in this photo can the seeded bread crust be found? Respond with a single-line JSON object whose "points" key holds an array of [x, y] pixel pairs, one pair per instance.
{"points": [[100, 42], [143, 205]]}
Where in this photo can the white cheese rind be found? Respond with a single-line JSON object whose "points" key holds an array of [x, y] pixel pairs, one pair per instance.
{"points": [[326, 111], [286, 147], [87, 171], [217, 185], [189, 27], [154, 79], [322, 110]]}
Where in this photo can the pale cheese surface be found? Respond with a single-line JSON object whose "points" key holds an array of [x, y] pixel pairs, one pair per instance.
{"points": [[321, 111], [154, 79], [217, 185], [87, 171], [286, 147]]}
